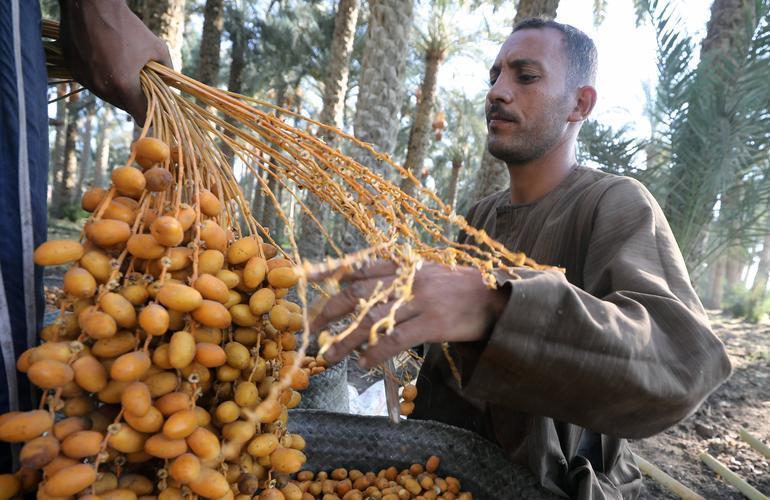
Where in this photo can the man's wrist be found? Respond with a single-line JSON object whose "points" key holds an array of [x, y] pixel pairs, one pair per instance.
{"points": [[499, 300]]}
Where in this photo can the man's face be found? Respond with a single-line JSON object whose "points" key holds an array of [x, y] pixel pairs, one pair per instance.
{"points": [[528, 104]]}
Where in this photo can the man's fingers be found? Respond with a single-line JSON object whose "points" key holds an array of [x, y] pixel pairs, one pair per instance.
{"points": [[379, 269], [361, 334], [334, 308], [346, 301], [339, 350], [405, 336]]}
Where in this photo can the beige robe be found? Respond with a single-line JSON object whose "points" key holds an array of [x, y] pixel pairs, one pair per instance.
{"points": [[620, 344]]}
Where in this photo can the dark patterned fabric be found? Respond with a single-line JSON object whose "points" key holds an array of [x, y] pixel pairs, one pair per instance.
{"points": [[619, 344], [23, 184]]}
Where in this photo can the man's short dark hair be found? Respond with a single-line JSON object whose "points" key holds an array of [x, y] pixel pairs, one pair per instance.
{"points": [[580, 49]]}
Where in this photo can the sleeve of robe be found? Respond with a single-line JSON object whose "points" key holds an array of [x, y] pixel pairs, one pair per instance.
{"points": [[629, 355]]}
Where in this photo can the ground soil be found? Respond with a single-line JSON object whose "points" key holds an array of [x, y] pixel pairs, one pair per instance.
{"points": [[743, 402]]}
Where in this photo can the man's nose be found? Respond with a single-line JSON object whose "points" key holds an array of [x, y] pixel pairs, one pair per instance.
{"points": [[499, 91]]}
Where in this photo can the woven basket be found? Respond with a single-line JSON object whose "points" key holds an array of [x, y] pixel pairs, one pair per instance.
{"points": [[372, 443], [328, 390]]}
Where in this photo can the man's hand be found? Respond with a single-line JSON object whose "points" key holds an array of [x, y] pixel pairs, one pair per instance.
{"points": [[106, 45], [451, 305]]}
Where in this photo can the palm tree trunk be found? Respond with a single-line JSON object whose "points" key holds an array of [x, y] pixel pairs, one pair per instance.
{"points": [[86, 159], [248, 182], [213, 22], [258, 199], [535, 8], [759, 288], [336, 83], [733, 268], [726, 41], [165, 18], [725, 31], [418, 135], [270, 217], [492, 177], [102, 147], [237, 52], [311, 241], [716, 293], [382, 75], [763, 268], [57, 152], [64, 194], [380, 87], [235, 78], [457, 164]]}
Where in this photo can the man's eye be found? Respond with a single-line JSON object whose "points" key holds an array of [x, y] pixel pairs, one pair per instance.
{"points": [[527, 78], [492, 81]]}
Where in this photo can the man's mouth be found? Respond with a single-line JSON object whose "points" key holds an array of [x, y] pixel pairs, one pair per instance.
{"points": [[498, 117], [497, 121]]}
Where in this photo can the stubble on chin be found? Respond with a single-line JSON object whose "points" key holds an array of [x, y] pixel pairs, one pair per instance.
{"points": [[511, 154]]}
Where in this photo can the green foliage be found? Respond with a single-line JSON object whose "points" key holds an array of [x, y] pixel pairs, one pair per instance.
{"points": [[49, 9], [464, 139], [758, 310], [600, 11], [294, 43], [740, 303], [711, 136], [74, 212], [609, 149]]}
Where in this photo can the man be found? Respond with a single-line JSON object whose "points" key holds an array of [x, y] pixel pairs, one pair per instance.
{"points": [[557, 368], [105, 45]]}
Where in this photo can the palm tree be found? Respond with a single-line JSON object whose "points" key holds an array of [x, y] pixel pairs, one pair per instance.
{"points": [[455, 155], [208, 58], [712, 130], [102, 146], [759, 288], [65, 179], [293, 45], [436, 45], [56, 157], [535, 8], [238, 38], [380, 87], [86, 159], [336, 80], [609, 149], [165, 18], [311, 242]]}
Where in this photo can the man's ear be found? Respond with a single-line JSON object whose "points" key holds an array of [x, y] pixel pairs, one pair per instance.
{"points": [[584, 104]]}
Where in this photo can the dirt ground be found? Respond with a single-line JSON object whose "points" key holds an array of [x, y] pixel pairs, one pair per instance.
{"points": [[743, 402]]}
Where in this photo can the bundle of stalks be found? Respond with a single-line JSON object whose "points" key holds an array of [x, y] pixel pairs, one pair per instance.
{"points": [[396, 226], [175, 348]]}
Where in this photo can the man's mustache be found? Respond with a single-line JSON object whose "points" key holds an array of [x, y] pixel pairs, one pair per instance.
{"points": [[497, 112]]}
